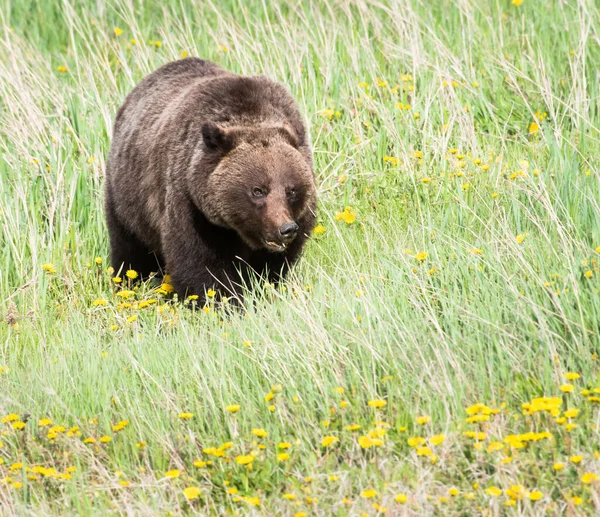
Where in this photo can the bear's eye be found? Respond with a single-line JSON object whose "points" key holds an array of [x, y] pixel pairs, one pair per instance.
{"points": [[258, 192], [291, 193]]}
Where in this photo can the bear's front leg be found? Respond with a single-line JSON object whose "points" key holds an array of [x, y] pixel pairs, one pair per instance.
{"points": [[194, 266]]}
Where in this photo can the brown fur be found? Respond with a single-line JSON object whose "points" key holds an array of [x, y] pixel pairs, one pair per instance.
{"points": [[191, 145]]}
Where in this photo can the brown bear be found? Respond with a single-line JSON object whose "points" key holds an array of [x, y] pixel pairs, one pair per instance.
{"points": [[209, 176]]}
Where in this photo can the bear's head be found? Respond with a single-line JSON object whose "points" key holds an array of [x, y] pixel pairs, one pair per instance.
{"points": [[260, 182]]}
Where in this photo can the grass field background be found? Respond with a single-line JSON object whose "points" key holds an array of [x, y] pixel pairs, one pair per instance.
{"points": [[457, 262]]}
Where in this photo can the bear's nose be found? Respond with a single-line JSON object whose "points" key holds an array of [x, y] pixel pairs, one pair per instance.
{"points": [[288, 230]]}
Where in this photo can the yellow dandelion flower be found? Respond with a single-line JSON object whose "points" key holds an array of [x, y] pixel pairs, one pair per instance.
{"points": [[191, 492], [117, 31], [377, 403], [421, 256], [589, 477], [494, 491], [422, 420], [244, 459], [319, 230], [575, 459], [261, 433], [566, 388], [329, 440], [368, 494], [186, 416], [233, 408], [437, 439], [283, 456], [105, 439], [401, 498], [174, 473]]}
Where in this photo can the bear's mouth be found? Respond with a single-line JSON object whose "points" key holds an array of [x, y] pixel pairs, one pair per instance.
{"points": [[275, 246]]}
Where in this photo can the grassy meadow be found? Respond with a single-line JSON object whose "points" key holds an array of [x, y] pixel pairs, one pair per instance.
{"points": [[435, 352]]}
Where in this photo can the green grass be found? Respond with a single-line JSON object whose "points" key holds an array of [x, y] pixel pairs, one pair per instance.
{"points": [[482, 318]]}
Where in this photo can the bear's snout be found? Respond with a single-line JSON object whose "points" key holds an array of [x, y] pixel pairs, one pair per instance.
{"points": [[288, 230]]}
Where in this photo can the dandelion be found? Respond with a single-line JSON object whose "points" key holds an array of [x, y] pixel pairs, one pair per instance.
{"points": [[62, 69], [575, 459], [494, 491], [533, 127], [558, 466], [49, 268], [211, 293], [566, 388], [131, 274], [329, 440], [422, 420], [105, 439], [348, 215], [571, 376], [437, 439], [588, 478], [191, 492], [377, 403], [172, 473], [368, 494], [517, 2], [283, 456], [261, 433], [421, 256], [319, 230], [401, 498], [244, 459], [520, 238], [536, 495], [233, 408], [186, 416], [18, 425]]}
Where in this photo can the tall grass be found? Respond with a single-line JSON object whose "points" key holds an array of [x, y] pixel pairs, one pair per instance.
{"points": [[421, 118]]}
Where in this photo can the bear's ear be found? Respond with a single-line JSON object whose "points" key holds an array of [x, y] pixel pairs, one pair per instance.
{"points": [[292, 134], [216, 138]]}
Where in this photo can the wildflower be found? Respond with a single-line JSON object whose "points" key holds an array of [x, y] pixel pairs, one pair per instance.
{"points": [[391, 159], [211, 293], [401, 498], [261, 433], [415, 441], [424, 451], [536, 495], [329, 440], [131, 274], [348, 215], [191, 492], [89, 440], [172, 473], [283, 456], [453, 491], [124, 483], [99, 302], [319, 230], [437, 439], [589, 274], [367, 494], [521, 237], [558, 466], [476, 251], [533, 127], [571, 413], [575, 459], [352, 427], [117, 31], [186, 416], [244, 459], [494, 491], [105, 439], [49, 268], [289, 497], [377, 403], [421, 256], [44, 422], [517, 2], [233, 408], [18, 425], [423, 420], [566, 388], [62, 69], [589, 477], [284, 445]]}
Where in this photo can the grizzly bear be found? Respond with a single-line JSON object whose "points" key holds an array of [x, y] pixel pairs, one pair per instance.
{"points": [[209, 177]]}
